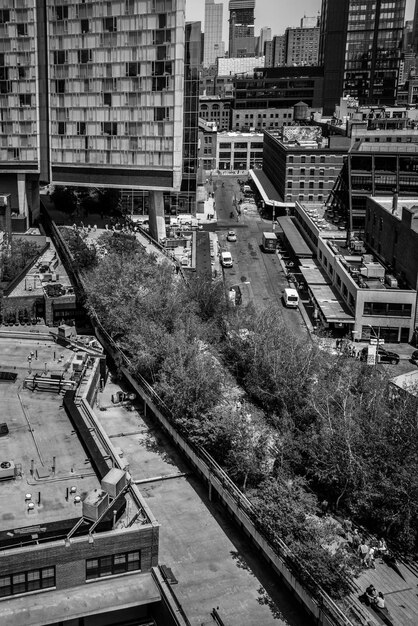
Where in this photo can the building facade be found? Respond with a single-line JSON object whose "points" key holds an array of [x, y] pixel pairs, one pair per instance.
{"points": [[302, 45], [360, 50], [213, 45], [239, 152], [241, 28], [279, 88], [301, 164], [91, 98], [260, 119], [216, 111], [265, 36]]}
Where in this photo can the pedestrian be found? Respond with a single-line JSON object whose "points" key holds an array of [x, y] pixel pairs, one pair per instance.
{"points": [[370, 595], [379, 602], [324, 507], [363, 551], [370, 558], [355, 539]]}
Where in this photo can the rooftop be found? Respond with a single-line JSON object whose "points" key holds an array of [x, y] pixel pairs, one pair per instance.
{"points": [[387, 204]]}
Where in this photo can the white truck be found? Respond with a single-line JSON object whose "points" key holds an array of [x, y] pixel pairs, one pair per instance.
{"points": [[291, 298]]}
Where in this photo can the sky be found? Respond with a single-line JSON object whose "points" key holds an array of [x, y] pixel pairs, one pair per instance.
{"points": [[278, 14]]}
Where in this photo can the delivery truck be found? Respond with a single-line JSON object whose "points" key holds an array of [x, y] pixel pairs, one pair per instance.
{"points": [[269, 242]]}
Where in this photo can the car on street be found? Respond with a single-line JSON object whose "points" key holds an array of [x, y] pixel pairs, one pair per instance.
{"points": [[231, 236], [226, 259], [383, 356], [414, 357]]}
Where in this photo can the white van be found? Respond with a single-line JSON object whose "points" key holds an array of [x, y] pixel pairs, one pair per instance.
{"points": [[291, 298], [226, 259]]}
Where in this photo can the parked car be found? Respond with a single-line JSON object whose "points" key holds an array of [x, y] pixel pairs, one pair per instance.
{"points": [[383, 356], [231, 236], [226, 259], [414, 357]]}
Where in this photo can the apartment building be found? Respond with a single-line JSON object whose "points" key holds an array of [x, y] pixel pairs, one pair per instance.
{"points": [[301, 164], [239, 151], [91, 94], [241, 28]]}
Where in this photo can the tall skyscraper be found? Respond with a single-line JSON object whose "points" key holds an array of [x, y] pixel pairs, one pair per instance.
{"points": [[360, 50], [265, 36], [415, 29], [241, 28], [213, 44], [91, 94]]}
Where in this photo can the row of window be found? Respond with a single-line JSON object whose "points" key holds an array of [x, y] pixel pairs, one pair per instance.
{"points": [[384, 309], [44, 578], [302, 172], [312, 159], [301, 184]]}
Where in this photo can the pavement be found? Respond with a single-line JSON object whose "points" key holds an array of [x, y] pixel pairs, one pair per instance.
{"points": [[213, 562]]}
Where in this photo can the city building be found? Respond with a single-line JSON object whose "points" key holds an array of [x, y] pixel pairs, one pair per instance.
{"points": [[353, 291], [392, 234], [261, 119], [360, 50], [302, 43], [207, 145], [415, 30], [213, 44], [216, 110], [78, 542], [302, 164], [264, 37], [279, 88], [275, 51], [241, 28], [239, 152], [380, 163], [239, 65], [88, 98]]}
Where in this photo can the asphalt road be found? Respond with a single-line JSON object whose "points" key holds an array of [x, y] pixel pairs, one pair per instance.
{"points": [[262, 270]]}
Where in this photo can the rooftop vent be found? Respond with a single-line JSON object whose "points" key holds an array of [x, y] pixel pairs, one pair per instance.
{"points": [[7, 470]]}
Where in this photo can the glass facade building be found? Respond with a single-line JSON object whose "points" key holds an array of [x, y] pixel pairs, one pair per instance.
{"points": [[213, 46], [360, 50], [91, 94]]}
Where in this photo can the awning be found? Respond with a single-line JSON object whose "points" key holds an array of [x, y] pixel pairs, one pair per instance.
{"points": [[313, 275], [294, 238], [267, 190], [331, 307]]}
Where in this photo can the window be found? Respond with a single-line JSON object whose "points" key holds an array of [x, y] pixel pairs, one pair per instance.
{"points": [[84, 56], [381, 223], [60, 86], [25, 99], [110, 24], [4, 16], [393, 309], [290, 171], [107, 99], [290, 159], [61, 128], [113, 565], [60, 57], [61, 12], [302, 171], [27, 581], [312, 171], [132, 69], [312, 159], [22, 30], [160, 114], [302, 184], [81, 128], [85, 26], [109, 128], [303, 159]]}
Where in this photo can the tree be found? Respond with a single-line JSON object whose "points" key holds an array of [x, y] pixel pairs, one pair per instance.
{"points": [[84, 255], [20, 254], [64, 199]]}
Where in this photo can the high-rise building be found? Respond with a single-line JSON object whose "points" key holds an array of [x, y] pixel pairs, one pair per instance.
{"points": [[241, 28], [213, 46], [360, 50], [275, 51], [91, 94], [415, 29], [265, 36], [302, 43]]}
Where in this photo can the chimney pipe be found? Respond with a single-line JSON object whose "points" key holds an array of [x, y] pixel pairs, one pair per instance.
{"points": [[395, 202]]}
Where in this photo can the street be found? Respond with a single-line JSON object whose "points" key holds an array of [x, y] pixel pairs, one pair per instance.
{"points": [[251, 263]]}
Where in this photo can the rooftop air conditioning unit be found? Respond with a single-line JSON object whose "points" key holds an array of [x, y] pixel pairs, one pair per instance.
{"points": [[7, 470]]}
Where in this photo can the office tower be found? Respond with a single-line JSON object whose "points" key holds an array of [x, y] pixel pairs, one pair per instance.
{"points": [[359, 49], [213, 46], [91, 94], [265, 36], [415, 29], [302, 43], [241, 28]]}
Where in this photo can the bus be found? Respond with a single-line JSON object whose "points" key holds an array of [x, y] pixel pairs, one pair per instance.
{"points": [[291, 298]]}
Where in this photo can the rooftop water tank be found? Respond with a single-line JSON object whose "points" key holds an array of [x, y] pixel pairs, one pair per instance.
{"points": [[300, 111]]}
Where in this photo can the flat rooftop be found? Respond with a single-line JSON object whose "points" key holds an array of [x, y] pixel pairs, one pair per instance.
{"points": [[387, 204], [39, 430]]}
